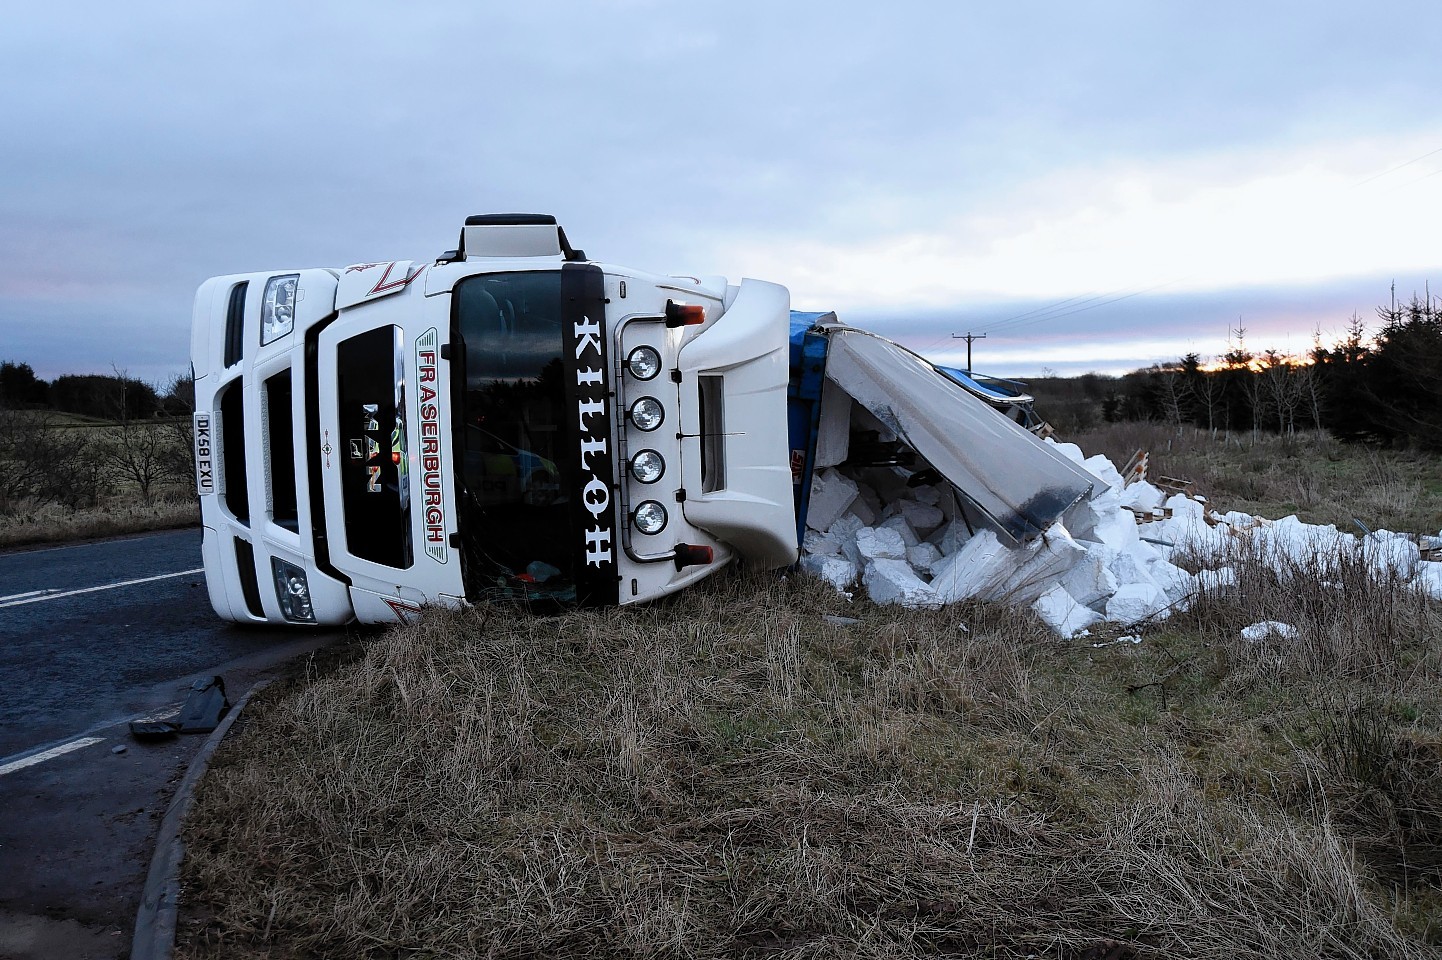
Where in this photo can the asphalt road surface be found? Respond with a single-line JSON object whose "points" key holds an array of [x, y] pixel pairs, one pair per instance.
{"points": [[93, 636]]}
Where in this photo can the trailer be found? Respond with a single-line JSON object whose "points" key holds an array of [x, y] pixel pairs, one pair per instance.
{"points": [[515, 420]]}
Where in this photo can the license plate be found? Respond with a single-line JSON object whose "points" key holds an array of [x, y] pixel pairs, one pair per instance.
{"points": [[205, 477]]}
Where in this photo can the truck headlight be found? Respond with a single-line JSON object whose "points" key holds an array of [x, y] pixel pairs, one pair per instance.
{"points": [[277, 308], [292, 591], [647, 466], [650, 517], [643, 362], [647, 413]]}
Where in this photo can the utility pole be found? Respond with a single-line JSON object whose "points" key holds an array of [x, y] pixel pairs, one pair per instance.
{"points": [[968, 337]]}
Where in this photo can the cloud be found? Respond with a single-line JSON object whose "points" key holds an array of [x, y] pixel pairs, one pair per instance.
{"points": [[1238, 218]]}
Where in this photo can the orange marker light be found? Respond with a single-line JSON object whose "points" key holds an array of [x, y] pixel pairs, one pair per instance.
{"points": [[690, 555], [684, 314]]}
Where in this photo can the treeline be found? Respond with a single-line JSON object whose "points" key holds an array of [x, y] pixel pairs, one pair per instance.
{"points": [[103, 396], [1384, 389], [134, 439]]}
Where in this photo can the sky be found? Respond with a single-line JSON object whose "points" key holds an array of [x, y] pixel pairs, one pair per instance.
{"points": [[1093, 186]]}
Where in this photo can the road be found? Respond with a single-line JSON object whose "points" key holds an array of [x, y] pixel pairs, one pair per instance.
{"points": [[93, 636]]}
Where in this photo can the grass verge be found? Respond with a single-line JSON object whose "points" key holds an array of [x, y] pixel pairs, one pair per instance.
{"points": [[736, 772], [55, 523]]}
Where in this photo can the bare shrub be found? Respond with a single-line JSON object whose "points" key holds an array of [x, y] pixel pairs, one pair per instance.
{"points": [[43, 462]]}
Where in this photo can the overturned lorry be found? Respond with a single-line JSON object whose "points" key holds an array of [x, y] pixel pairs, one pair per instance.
{"points": [[514, 419]]}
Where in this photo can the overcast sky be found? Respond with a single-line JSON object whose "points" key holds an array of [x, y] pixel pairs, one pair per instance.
{"points": [[1093, 185]]}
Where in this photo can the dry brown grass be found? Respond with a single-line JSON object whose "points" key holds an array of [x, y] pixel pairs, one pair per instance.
{"points": [[1310, 475], [732, 774], [56, 523]]}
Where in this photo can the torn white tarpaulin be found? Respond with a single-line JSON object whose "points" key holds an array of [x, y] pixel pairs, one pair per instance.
{"points": [[1016, 480]]}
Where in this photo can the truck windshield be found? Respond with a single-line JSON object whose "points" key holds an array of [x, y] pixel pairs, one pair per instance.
{"points": [[517, 522]]}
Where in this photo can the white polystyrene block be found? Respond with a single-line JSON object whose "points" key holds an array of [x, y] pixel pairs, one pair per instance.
{"points": [[1428, 578], [952, 537], [1236, 518], [971, 569], [862, 511], [1391, 554], [1134, 602], [1189, 531], [891, 509], [1129, 564], [987, 569], [821, 544], [928, 495], [899, 524], [1089, 580], [923, 556], [1268, 628], [847, 539], [1060, 611], [1102, 468], [1290, 547], [880, 543], [1175, 582], [837, 571], [1037, 565], [923, 518], [1142, 496], [1103, 520], [1182, 504], [846, 526], [831, 493], [893, 581], [1069, 450]]}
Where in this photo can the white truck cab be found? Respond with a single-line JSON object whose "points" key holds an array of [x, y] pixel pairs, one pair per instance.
{"points": [[508, 420]]}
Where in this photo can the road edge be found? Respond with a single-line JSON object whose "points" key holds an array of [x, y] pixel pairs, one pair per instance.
{"points": [[155, 921]]}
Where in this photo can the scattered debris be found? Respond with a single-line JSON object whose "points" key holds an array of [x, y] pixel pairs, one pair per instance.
{"points": [[153, 729], [204, 707], [119, 748], [1129, 638], [202, 712], [911, 537], [1258, 632]]}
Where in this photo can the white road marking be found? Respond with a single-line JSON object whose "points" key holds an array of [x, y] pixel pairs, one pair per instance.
{"points": [[50, 754], [20, 596], [21, 599]]}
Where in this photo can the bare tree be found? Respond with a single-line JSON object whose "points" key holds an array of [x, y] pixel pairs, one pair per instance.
{"points": [[135, 449], [178, 456], [1173, 394], [1280, 388], [1209, 389]]}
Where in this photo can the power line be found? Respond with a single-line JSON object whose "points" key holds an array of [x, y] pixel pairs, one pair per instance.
{"points": [[968, 337], [1399, 167]]}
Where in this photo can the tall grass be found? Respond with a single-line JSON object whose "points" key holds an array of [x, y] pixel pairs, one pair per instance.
{"points": [[57, 523], [1307, 474], [737, 772]]}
